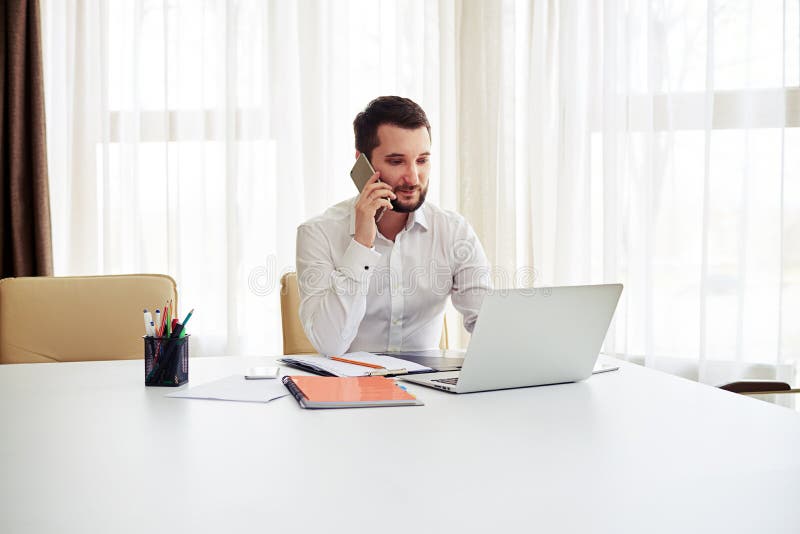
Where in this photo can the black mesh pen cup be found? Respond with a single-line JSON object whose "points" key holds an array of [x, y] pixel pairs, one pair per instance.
{"points": [[166, 361]]}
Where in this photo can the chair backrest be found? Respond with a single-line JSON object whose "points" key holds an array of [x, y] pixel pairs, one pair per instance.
{"points": [[758, 386], [78, 318], [294, 337]]}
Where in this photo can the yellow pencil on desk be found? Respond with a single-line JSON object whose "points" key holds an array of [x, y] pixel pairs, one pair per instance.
{"points": [[379, 369], [355, 362]]}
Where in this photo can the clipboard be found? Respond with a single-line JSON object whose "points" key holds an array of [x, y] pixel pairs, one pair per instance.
{"points": [[355, 364]]}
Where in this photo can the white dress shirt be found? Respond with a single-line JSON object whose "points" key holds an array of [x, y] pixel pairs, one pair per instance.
{"points": [[392, 296]]}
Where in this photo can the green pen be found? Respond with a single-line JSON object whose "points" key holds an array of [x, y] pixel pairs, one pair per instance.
{"points": [[188, 316]]}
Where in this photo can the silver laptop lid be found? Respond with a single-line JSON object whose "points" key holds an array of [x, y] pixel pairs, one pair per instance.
{"points": [[528, 337]]}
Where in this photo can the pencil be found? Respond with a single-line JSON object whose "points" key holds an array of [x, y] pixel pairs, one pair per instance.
{"points": [[362, 364]]}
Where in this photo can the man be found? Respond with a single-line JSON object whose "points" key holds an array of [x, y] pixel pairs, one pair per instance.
{"points": [[378, 286]]}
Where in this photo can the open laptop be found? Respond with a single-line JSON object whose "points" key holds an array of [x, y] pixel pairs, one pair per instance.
{"points": [[532, 337]]}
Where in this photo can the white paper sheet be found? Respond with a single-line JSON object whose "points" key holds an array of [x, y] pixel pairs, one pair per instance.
{"points": [[235, 388]]}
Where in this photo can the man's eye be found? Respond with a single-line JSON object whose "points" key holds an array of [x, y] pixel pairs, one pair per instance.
{"points": [[422, 161], [395, 162]]}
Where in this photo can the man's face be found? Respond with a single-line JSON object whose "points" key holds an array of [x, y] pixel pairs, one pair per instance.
{"points": [[403, 158]]}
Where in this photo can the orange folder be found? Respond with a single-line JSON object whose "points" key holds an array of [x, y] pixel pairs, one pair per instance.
{"points": [[348, 392]]}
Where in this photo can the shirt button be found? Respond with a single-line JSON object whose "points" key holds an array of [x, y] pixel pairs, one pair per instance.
{"points": [[366, 267]]}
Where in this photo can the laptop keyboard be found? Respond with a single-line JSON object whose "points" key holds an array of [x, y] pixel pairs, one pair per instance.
{"points": [[451, 381]]}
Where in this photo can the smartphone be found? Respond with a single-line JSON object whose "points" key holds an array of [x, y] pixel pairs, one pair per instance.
{"points": [[260, 373], [361, 172]]}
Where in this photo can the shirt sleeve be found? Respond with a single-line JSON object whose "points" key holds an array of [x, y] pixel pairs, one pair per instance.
{"points": [[471, 276], [333, 295]]}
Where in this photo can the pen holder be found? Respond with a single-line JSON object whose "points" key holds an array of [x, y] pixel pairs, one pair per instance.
{"points": [[166, 361]]}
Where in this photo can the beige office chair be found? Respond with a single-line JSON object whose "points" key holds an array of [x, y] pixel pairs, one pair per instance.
{"points": [[294, 337], [80, 318]]}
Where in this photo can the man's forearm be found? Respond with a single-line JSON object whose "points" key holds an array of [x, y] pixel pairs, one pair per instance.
{"points": [[331, 316], [472, 279]]}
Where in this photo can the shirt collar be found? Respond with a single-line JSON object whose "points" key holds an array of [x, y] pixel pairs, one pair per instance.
{"points": [[418, 217], [415, 217]]}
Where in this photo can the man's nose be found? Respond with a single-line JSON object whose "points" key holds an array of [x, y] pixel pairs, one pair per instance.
{"points": [[412, 176]]}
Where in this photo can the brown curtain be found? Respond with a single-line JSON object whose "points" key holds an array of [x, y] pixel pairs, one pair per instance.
{"points": [[25, 239]]}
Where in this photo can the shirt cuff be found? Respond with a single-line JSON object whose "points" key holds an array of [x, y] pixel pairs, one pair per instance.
{"points": [[358, 261]]}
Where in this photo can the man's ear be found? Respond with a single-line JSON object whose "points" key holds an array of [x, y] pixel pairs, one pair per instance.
{"points": [[357, 154]]}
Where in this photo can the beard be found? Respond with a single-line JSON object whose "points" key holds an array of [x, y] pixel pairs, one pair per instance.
{"points": [[407, 207]]}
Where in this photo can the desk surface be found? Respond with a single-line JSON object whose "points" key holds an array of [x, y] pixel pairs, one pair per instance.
{"points": [[85, 447]]}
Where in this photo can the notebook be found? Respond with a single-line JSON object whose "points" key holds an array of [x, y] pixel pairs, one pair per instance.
{"points": [[348, 392], [354, 364]]}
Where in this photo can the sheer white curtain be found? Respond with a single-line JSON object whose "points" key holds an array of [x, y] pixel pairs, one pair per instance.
{"points": [[647, 143], [192, 137]]}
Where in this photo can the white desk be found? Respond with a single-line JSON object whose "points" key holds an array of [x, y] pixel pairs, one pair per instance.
{"points": [[86, 448]]}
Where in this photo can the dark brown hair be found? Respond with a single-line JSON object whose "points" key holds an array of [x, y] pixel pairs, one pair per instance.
{"points": [[396, 110]]}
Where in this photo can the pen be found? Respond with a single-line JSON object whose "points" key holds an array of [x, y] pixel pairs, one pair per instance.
{"points": [[384, 372], [148, 321], [158, 323], [189, 316], [177, 330]]}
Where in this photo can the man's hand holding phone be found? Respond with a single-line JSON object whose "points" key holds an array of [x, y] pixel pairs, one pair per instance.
{"points": [[373, 198]]}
